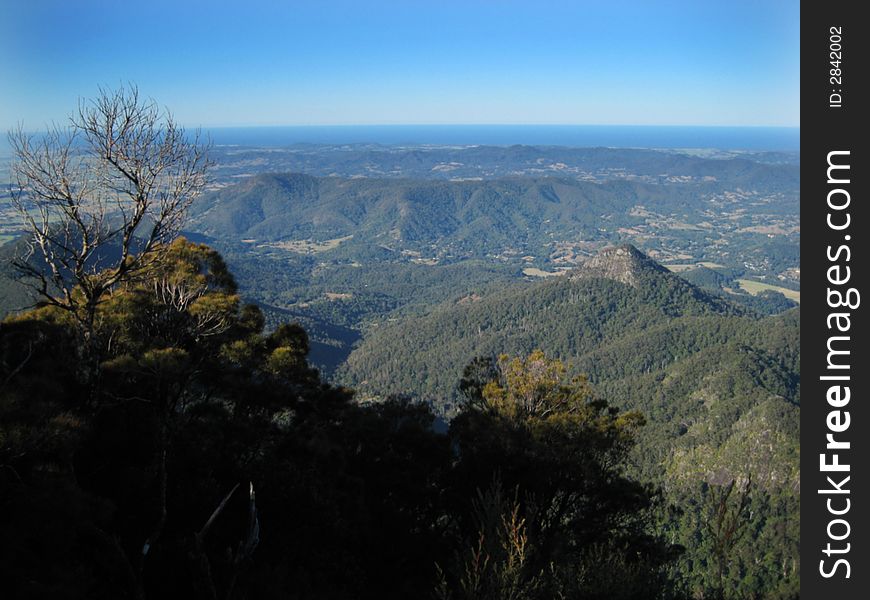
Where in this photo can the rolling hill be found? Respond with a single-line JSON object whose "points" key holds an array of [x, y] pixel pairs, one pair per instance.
{"points": [[446, 221]]}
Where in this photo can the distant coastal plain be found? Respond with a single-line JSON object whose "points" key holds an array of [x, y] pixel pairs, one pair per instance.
{"points": [[781, 139]]}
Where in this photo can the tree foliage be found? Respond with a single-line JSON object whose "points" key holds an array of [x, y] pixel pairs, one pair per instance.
{"points": [[100, 196], [562, 451]]}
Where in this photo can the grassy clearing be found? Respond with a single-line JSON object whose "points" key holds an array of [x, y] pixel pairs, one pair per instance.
{"points": [[535, 272], [679, 268], [308, 246], [756, 287]]}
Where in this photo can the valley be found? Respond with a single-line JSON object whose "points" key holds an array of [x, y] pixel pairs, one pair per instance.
{"points": [[372, 233]]}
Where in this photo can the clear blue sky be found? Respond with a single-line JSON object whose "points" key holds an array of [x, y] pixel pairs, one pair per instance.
{"points": [[251, 62]]}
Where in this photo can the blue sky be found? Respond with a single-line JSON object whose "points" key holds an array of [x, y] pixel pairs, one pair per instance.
{"points": [[251, 62]]}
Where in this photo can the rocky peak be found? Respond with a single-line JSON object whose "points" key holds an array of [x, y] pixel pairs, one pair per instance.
{"points": [[623, 263]]}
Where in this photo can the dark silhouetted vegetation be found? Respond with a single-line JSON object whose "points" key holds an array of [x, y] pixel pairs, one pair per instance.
{"points": [[212, 461]]}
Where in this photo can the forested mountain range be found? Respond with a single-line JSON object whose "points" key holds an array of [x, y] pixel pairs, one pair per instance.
{"points": [[620, 292], [546, 219], [718, 384]]}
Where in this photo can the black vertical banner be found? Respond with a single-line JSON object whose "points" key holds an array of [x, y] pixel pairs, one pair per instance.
{"points": [[835, 420]]}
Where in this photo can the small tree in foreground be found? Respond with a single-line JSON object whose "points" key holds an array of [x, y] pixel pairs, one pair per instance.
{"points": [[100, 198], [727, 524], [578, 527]]}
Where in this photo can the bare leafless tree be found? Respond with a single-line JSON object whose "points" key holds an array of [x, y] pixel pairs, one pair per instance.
{"points": [[101, 196]]}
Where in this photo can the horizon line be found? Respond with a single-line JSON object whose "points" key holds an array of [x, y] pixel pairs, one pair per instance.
{"points": [[717, 126]]}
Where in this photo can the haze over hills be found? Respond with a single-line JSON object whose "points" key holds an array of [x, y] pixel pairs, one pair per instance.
{"points": [[770, 142], [453, 162]]}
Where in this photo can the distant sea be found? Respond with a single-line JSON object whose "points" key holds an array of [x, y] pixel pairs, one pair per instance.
{"points": [[621, 136]]}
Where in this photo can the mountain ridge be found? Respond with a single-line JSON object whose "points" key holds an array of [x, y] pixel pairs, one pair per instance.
{"points": [[506, 209], [621, 292]]}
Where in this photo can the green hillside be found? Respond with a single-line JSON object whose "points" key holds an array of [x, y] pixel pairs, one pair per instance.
{"points": [[550, 220], [719, 387], [567, 318]]}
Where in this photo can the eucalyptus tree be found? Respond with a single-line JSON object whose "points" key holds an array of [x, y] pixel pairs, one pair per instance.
{"points": [[100, 197]]}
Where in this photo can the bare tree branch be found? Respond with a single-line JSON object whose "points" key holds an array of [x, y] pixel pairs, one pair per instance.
{"points": [[101, 197]]}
